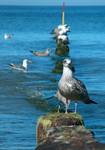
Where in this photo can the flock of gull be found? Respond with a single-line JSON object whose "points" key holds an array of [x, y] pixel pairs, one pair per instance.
{"points": [[69, 87], [60, 33]]}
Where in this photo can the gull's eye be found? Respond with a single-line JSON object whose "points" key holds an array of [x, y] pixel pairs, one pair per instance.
{"points": [[64, 61]]}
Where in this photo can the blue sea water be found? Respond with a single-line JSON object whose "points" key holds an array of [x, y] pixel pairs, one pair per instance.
{"points": [[23, 96]]}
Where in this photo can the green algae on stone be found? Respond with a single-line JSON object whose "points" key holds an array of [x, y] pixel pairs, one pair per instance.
{"points": [[45, 122], [52, 118], [56, 120]]}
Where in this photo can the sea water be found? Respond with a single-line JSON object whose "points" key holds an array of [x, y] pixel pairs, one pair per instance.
{"points": [[24, 97]]}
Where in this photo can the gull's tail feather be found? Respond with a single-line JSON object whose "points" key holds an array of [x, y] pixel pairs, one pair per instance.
{"points": [[12, 65], [91, 102]]}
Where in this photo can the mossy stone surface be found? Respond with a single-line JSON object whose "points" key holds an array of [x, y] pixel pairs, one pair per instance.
{"points": [[70, 138], [60, 131], [56, 120]]}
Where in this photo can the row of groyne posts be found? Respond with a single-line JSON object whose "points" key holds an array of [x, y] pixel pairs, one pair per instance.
{"points": [[60, 131]]}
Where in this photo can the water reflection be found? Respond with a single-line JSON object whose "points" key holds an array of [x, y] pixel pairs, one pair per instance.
{"points": [[58, 67]]}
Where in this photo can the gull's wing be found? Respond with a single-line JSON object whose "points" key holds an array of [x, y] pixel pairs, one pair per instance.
{"points": [[12, 65], [79, 87]]}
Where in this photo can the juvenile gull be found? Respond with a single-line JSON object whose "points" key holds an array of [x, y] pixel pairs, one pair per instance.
{"points": [[61, 97], [41, 53], [71, 88], [22, 67]]}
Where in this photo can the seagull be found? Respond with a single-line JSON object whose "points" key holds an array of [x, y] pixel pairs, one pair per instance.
{"points": [[64, 27], [71, 88], [22, 67], [61, 97], [55, 32], [41, 53], [63, 37], [61, 30], [7, 36]]}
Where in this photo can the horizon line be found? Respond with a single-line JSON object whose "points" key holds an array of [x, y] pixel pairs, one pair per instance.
{"points": [[50, 5], [47, 5]]}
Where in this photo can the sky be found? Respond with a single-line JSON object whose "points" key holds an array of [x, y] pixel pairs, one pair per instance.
{"points": [[52, 2]]}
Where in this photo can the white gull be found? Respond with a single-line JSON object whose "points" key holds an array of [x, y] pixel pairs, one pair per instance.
{"points": [[23, 67]]}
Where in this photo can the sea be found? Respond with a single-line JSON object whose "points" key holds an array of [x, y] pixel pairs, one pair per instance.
{"points": [[25, 96]]}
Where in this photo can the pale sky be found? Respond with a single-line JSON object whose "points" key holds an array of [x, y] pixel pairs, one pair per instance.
{"points": [[52, 2]]}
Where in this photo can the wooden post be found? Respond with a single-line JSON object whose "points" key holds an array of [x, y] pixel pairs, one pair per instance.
{"points": [[63, 14]]}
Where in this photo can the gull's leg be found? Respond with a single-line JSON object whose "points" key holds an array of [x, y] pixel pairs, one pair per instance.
{"points": [[66, 109], [76, 107], [59, 108], [67, 105]]}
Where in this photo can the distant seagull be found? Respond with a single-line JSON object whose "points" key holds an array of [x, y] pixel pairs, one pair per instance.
{"points": [[64, 27], [41, 53], [7, 36], [63, 38], [72, 88], [61, 30], [55, 33], [22, 67]]}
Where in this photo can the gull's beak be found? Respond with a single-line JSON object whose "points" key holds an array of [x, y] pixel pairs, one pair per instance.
{"points": [[71, 67]]}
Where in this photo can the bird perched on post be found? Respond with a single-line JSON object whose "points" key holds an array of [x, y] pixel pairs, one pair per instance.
{"points": [[71, 88]]}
